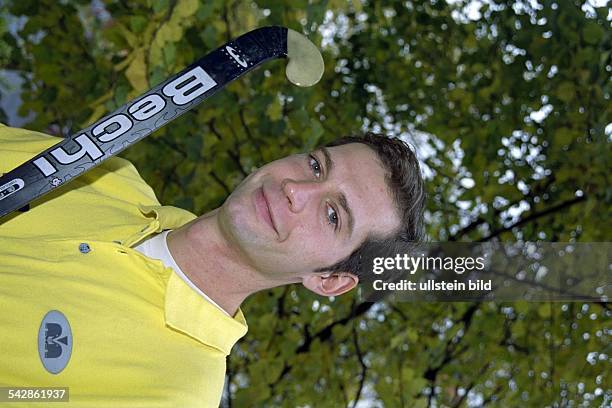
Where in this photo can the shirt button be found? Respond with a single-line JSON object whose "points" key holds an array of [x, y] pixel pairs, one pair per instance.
{"points": [[84, 248]]}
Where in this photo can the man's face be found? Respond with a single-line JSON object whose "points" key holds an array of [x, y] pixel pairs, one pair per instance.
{"points": [[307, 211]]}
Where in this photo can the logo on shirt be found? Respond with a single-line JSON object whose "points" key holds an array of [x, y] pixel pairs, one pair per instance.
{"points": [[54, 341]]}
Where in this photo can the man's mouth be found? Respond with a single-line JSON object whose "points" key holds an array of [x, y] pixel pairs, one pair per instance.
{"points": [[263, 208]]}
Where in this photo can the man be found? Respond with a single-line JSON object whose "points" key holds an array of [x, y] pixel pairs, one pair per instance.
{"points": [[149, 295]]}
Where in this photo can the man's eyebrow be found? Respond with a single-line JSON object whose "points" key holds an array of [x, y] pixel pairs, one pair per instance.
{"points": [[329, 166]]}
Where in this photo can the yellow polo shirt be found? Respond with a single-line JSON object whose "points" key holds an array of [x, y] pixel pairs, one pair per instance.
{"points": [[140, 336]]}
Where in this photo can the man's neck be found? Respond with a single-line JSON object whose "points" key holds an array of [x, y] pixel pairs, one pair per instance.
{"points": [[212, 264]]}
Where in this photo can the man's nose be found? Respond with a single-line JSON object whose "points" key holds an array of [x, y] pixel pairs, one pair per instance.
{"points": [[299, 193]]}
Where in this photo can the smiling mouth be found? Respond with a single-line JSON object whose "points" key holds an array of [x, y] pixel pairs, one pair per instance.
{"points": [[263, 208]]}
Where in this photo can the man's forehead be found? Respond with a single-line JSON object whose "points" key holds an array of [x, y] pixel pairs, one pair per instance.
{"points": [[352, 155], [359, 174]]}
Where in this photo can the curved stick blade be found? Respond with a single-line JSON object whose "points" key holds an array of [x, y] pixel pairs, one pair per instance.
{"points": [[305, 67]]}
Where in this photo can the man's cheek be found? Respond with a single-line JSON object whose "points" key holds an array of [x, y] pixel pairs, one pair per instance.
{"points": [[247, 179]]}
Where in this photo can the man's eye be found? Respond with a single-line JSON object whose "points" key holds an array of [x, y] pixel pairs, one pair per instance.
{"points": [[332, 216], [314, 165]]}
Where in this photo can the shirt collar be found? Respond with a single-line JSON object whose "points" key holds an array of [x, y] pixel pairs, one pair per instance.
{"points": [[185, 310], [161, 218], [169, 217]]}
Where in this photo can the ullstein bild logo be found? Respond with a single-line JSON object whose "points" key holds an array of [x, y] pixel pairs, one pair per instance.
{"points": [[54, 342]]}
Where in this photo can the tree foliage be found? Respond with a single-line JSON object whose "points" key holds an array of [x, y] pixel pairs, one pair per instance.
{"points": [[508, 111]]}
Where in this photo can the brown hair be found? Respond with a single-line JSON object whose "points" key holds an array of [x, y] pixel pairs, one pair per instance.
{"points": [[404, 180]]}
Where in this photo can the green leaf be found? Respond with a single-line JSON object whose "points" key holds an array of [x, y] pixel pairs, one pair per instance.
{"points": [[415, 385], [138, 24], [566, 91], [314, 134], [274, 110], [186, 8], [136, 72], [544, 310], [209, 36], [160, 5], [564, 136], [518, 329], [592, 33], [169, 54], [521, 306]]}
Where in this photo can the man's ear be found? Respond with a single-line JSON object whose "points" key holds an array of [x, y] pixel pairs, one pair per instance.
{"points": [[330, 284]]}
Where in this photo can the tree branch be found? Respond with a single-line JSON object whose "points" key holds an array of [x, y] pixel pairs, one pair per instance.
{"points": [[234, 156], [534, 216], [221, 183], [364, 368], [432, 372], [468, 388], [248, 133], [325, 333], [225, 15], [228, 381], [536, 191]]}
